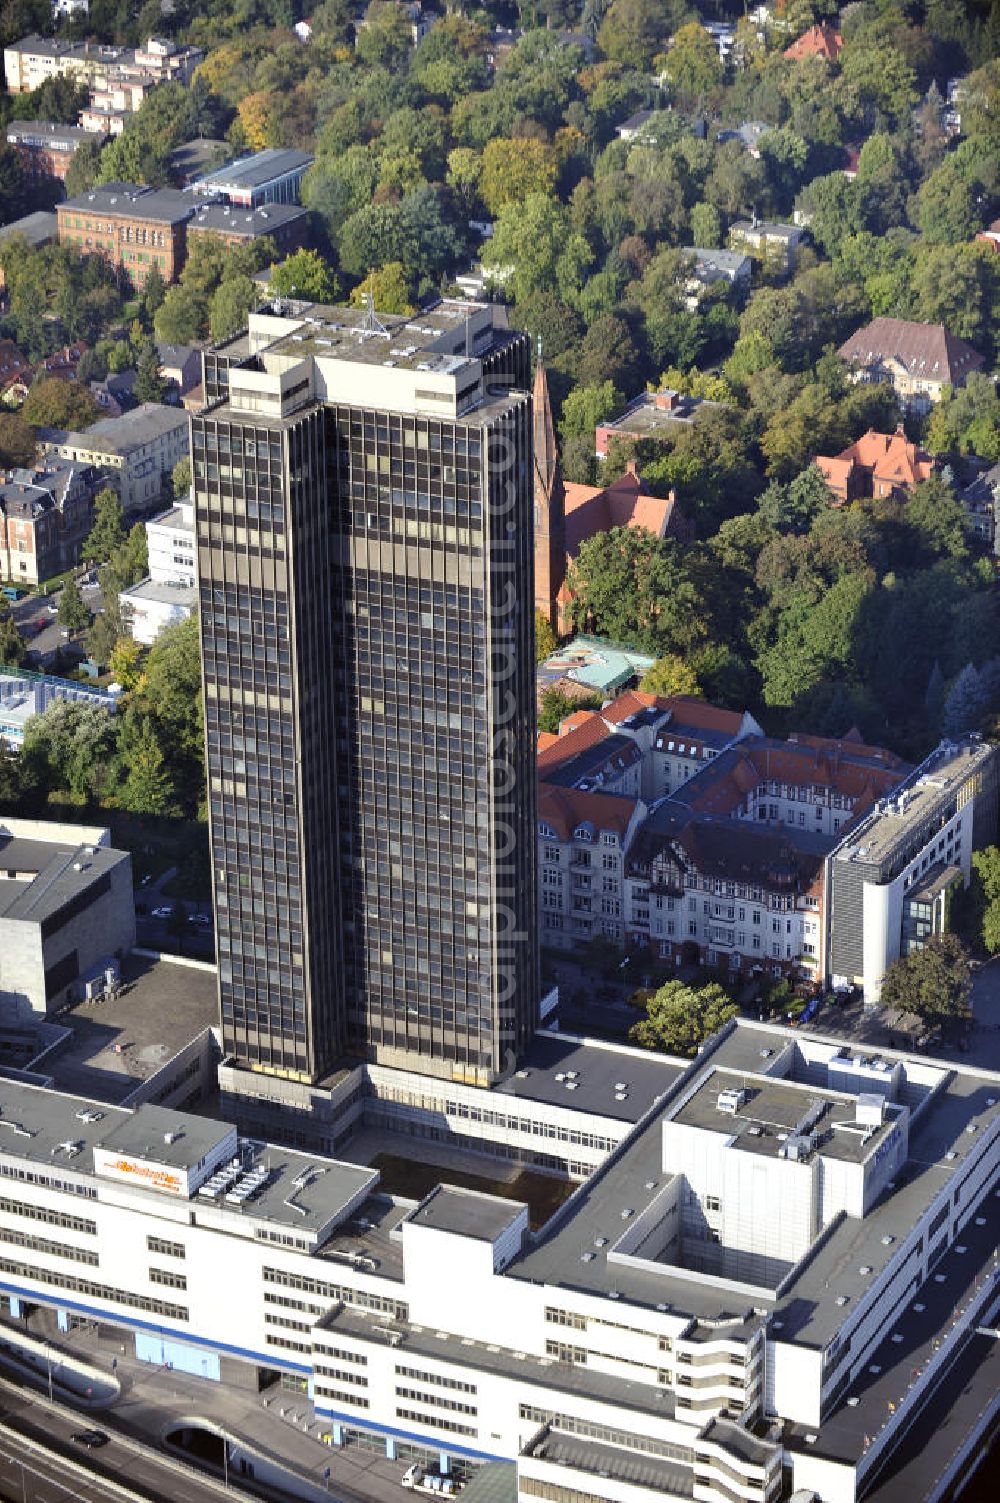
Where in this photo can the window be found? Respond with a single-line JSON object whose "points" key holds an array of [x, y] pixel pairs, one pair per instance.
{"points": [[168, 1278], [713, 1203], [564, 1352], [558, 1317], [166, 1249]]}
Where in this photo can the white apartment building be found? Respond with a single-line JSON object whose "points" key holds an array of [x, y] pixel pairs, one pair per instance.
{"points": [[715, 1313], [29, 62], [169, 592], [889, 880]]}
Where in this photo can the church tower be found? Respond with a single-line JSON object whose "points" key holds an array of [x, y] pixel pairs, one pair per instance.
{"points": [[550, 504]]}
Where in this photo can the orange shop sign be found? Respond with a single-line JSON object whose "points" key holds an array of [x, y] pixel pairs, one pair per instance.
{"points": [[160, 1179]]}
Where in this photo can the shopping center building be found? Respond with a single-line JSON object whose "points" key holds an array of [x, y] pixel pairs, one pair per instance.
{"points": [[768, 1260]]}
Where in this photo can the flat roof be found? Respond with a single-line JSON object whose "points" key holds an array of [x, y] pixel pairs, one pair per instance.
{"points": [[589, 1076], [179, 1139], [774, 1109], [114, 1045], [229, 219], [636, 1468], [256, 170], [49, 874], [463, 1351], [302, 1192], [573, 1253], [928, 788], [131, 201], [366, 1241], [468, 1213], [162, 592], [909, 1341]]}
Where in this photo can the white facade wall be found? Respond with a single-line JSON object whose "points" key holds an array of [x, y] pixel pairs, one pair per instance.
{"points": [[883, 904], [171, 547]]}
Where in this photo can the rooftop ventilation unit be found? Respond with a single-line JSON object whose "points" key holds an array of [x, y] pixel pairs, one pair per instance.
{"points": [[731, 1100]]}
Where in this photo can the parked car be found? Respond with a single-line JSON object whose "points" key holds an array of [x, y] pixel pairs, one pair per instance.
{"points": [[163, 913], [91, 1439]]}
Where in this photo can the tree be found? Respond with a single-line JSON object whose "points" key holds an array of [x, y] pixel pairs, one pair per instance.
{"points": [[12, 648], [586, 406], [668, 676], [534, 249], [124, 662], [932, 983], [181, 316], [555, 706], [305, 275], [150, 385], [511, 169], [180, 479], [147, 784], [17, 441], [389, 290], [154, 290], [630, 586], [52, 403], [633, 32], [230, 306], [73, 613], [108, 532], [706, 226], [946, 207], [679, 1018], [692, 65], [546, 640], [986, 895]]}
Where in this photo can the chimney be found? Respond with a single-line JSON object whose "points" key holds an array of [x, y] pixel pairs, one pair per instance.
{"points": [[667, 400]]}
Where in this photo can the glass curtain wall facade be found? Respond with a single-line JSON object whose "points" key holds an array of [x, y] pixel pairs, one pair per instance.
{"points": [[367, 631]]}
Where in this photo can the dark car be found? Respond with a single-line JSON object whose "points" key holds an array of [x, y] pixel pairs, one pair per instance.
{"points": [[91, 1439]]}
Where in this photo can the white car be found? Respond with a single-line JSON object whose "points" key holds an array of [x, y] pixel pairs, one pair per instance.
{"points": [[163, 913]]}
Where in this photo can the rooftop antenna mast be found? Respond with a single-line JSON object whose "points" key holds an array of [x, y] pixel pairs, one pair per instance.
{"points": [[372, 323]]}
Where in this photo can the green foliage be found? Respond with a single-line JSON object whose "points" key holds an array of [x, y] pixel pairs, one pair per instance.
{"points": [[679, 1018], [554, 706], [215, 291], [586, 406], [150, 385], [180, 478], [12, 647], [306, 275], [967, 421], [73, 613], [70, 749], [932, 983], [546, 640], [670, 675], [986, 895], [388, 288], [108, 532], [633, 587], [52, 403], [17, 441]]}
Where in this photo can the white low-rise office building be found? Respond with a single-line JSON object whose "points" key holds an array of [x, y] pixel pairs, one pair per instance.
{"points": [[770, 1261], [169, 593]]}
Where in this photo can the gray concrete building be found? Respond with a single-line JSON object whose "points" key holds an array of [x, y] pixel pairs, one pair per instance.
{"points": [[66, 913], [363, 515]]}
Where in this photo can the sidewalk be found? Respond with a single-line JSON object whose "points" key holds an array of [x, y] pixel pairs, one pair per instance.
{"points": [[155, 1400]]}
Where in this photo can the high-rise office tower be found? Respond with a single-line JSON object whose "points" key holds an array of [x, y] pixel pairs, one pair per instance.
{"points": [[363, 496]]}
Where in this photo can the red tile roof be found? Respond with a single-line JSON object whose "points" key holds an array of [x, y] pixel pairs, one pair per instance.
{"points": [[819, 41], [886, 458], [564, 809], [624, 503], [860, 773], [585, 734]]}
